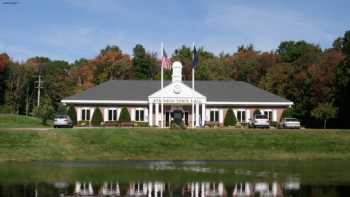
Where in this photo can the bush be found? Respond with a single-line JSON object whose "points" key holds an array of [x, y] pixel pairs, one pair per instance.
{"points": [[124, 115], [230, 118], [97, 117], [45, 111], [5, 109], [141, 124], [288, 113], [72, 114], [180, 125], [257, 111], [84, 123]]}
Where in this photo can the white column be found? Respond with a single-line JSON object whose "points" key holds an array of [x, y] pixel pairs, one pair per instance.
{"points": [[203, 114], [78, 110], [132, 114], [221, 116], [274, 115], [157, 114], [150, 115], [105, 114], [197, 114]]}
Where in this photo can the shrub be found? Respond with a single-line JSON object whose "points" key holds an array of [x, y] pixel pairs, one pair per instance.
{"points": [[124, 115], [288, 113], [97, 117], [45, 111], [179, 125], [257, 111], [5, 109], [72, 114], [230, 118], [141, 124], [84, 123]]}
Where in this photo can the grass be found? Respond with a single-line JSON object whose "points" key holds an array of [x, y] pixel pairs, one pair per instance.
{"points": [[19, 121], [157, 144]]}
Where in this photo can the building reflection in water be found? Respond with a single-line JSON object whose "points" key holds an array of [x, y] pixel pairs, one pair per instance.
{"points": [[149, 189], [155, 189], [202, 189]]}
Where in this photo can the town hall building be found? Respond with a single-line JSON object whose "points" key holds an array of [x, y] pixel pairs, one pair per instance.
{"points": [[144, 100]]}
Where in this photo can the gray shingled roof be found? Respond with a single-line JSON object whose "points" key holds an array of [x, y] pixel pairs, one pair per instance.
{"points": [[230, 91]]}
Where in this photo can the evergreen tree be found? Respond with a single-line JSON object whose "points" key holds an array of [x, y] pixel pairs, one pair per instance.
{"points": [[230, 118], [257, 111], [97, 117], [124, 115], [72, 114], [145, 64]]}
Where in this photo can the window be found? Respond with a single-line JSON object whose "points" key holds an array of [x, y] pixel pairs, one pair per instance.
{"points": [[268, 114], [214, 115], [85, 114], [112, 115], [241, 116], [140, 115]]}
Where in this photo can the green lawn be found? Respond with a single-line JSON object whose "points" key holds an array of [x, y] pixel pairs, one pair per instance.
{"points": [[157, 144], [19, 121]]}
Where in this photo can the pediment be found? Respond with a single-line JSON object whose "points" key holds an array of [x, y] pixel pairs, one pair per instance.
{"points": [[177, 90]]}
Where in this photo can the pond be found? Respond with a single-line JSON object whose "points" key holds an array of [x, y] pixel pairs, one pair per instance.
{"points": [[178, 178]]}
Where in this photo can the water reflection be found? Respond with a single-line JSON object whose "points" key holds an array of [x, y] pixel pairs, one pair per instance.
{"points": [[170, 180], [153, 189]]}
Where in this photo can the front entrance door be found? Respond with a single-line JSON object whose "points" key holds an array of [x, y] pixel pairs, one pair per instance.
{"points": [[178, 115]]}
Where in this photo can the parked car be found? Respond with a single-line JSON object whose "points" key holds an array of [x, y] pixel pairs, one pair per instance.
{"points": [[259, 121], [62, 121], [290, 123]]}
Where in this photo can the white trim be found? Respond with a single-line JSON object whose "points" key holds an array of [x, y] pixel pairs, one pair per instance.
{"points": [[106, 101], [250, 103], [208, 102]]}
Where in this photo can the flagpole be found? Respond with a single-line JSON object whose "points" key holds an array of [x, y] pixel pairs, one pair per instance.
{"points": [[162, 85], [193, 117]]}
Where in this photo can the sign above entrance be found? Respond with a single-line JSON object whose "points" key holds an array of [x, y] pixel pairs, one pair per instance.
{"points": [[175, 100]]}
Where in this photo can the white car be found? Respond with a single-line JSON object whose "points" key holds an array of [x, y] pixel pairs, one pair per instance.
{"points": [[259, 121], [62, 121], [290, 123]]}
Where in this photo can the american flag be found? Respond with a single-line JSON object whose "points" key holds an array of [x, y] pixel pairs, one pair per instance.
{"points": [[166, 62]]}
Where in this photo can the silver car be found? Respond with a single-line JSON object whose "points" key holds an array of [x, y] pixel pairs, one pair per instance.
{"points": [[62, 121], [290, 123], [259, 121]]}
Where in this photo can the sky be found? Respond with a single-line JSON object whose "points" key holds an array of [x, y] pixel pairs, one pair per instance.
{"points": [[73, 29]]}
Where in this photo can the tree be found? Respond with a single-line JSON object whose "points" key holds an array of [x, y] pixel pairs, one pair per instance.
{"points": [[324, 111], [111, 63], [342, 95], [72, 114], [96, 117], [5, 62], [124, 115], [145, 64], [230, 118], [299, 53], [45, 111], [288, 113]]}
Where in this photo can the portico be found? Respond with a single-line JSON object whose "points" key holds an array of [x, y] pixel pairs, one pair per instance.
{"points": [[177, 98]]}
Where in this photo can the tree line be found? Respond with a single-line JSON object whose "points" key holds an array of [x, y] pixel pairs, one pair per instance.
{"points": [[316, 80]]}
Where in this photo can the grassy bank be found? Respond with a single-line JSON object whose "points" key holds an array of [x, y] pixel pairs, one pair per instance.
{"points": [[19, 121], [156, 144]]}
